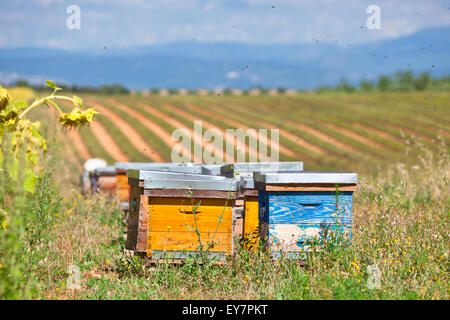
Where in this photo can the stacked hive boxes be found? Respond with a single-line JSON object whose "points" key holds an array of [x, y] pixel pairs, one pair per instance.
{"points": [[123, 189], [104, 180], [188, 216], [178, 210], [151, 189], [304, 209], [246, 209]]}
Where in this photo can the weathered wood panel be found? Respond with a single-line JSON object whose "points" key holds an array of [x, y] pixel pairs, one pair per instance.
{"points": [[141, 245], [107, 185], [137, 215], [177, 215], [308, 207], [310, 188], [251, 223], [299, 237], [238, 222], [186, 241], [123, 191], [171, 224], [195, 194], [292, 221], [251, 192]]}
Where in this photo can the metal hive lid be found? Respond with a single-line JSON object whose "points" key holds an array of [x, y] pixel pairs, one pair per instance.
{"points": [[160, 175], [211, 169], [185, 184], [261, 166], [305, 177], [160, 166], [105, 171], [247, 183]]}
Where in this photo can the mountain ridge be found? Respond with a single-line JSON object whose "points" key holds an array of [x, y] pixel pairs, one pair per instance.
{"points": [[231, 64]]}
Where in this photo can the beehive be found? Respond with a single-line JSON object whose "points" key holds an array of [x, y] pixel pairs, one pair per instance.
{"points": [[139, 202], [250, 225], [123, 190], [186, 211], [104, 181], [245, 170], [299, 210]]}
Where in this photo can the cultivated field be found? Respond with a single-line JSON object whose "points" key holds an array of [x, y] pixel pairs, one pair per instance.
{"points": [[398, 143], [333, 131]]}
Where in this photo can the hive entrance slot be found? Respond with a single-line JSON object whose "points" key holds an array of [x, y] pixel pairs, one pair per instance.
{"points": [[310, 205], [188, 211]]}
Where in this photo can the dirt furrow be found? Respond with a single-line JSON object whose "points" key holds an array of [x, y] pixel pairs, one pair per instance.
{"points": [[239, 144], [77, 142], [324, 137], [68, 151], [283, 133], [356, 136], [208, 125], [289, 136], [132, 135], [152, 126], [407, 131], [381, 134], [107, 142], [318, 134], [296, 139], [179, 125]]}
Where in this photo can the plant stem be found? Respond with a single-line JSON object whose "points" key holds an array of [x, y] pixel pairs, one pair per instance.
{"points": [[42, 100]]}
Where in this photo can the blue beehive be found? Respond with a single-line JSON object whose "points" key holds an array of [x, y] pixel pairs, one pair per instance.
{"points": [[302, 209]]}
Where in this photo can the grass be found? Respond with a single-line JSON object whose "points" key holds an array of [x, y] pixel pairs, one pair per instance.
{"points": [[401, 214], [400, 225]]}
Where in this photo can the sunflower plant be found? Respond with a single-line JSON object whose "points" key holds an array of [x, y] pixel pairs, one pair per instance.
{"points": [[22, 133]]}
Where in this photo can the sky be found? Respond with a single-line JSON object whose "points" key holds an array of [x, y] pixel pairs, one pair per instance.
{"points": [[135, 23]]}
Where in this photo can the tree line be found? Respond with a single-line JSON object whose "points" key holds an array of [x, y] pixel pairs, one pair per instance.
{"points": [[104, 89], [403, 80]]}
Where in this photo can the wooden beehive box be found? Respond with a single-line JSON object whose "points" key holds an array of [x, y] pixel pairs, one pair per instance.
{"points": [[140, 199], [250, 224], [245, 170], [123, 189], [104, 181], [86, 183], [174, 230], [298, 210]]}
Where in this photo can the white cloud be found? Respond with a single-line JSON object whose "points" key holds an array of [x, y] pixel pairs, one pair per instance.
{"points": [[9, 78], [130, 23], [232, 75]]}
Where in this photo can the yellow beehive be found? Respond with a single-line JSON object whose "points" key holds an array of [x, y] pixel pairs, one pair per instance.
{"points": [[189, 217], [250, 231], [162, 221]]}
